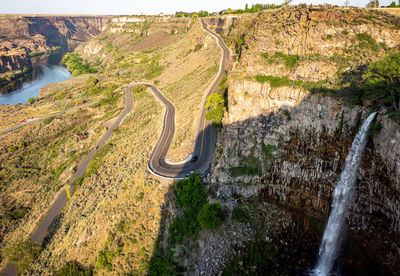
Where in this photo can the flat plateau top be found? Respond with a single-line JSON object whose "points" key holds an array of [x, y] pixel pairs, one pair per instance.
{"points": [[56, 15]]}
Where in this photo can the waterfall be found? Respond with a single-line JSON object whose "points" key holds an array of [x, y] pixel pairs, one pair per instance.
{"points": [[342, 198]]}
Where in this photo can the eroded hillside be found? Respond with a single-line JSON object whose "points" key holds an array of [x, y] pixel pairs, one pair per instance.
{"points": [[23, 38], [295, 104], [116, 209]]}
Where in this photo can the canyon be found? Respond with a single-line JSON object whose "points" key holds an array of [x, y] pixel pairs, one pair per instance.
{"points": [[292, 109], [24, 37]]}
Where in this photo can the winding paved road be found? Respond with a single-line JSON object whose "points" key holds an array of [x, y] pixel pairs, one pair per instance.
{"points": [[204, 148], [62, 197], [206, 136], [42, 118]]}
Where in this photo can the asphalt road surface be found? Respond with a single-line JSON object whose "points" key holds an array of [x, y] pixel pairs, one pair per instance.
{"points": [[206, 136], [29, 121], [62, 198]]}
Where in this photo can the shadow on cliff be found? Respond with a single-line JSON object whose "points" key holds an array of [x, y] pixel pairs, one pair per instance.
{"points": [[296, 172]]}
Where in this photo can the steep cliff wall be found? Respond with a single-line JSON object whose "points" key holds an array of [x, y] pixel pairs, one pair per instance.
{"points": [[297, 143], [284, 143], [14, 61], [22, 35]]}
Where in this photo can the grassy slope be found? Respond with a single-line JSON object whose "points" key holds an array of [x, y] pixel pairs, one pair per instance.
{"points": [[37, 160], [120, 191]]}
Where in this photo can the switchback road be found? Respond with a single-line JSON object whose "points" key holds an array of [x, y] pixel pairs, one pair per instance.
{"points": [[206, 135]]}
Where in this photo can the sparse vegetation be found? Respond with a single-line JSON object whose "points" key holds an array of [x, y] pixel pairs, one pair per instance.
{"points": [[73, 269], [211, 216], [290, 61], [366, 41], [22, 253], [375, 128], [244, 170], [196, 212], [253, 9], [97, 159], [240, 214]]}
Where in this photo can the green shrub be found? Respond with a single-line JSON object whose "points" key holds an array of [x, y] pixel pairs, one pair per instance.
{"points": [[366, 41], [267, 151], [191, 194], [12, 215], [287, 114], [12, 149], [198, 47], [22, 253], [290, 61], [140, 196], [31, 100], [345, 32], [216, 109], [244, 170], [106, 256], [240, 214], [381, 81], [375, 128], [120, 226], [274, 81], [48, 120], [211, 216], [73, 269], [191, 198]]}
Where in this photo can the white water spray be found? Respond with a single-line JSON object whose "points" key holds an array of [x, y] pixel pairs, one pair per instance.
{"points": [[342, 198]]}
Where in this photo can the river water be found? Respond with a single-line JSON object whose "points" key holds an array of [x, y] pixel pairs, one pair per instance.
{"points": [[43, 74]]}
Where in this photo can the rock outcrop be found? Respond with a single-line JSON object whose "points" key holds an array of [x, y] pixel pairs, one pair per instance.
{"points": [[23, 36], [284, 144], [14, 61]]}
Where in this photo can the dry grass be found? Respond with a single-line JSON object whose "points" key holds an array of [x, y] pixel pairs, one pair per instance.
{"points": [[122, 190], [37, 159], [184, 83]]}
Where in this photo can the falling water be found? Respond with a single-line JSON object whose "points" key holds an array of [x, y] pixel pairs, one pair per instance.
{"points": [[341, 200]]}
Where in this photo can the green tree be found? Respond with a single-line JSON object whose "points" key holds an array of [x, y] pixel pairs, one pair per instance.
{"points": [[382, 81], [22, 253], [216, 108], [373, 4], [214, 100], [211, 216], [76, 65]]}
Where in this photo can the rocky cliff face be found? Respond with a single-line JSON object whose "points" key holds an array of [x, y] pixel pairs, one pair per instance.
{"points": [[14, 62], [283, 144], [22, 35], [286, 146]]}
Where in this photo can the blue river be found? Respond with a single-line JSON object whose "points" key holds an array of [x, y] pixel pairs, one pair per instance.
{"points": [[45, 74]]}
